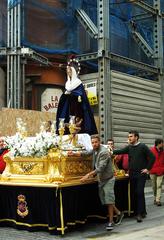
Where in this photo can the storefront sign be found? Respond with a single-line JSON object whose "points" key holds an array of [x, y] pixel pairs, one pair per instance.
{"points": [[91, 91], [50, 99]]}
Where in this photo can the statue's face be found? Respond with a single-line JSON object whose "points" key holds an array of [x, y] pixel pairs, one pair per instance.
{"points": [[69, 71]]}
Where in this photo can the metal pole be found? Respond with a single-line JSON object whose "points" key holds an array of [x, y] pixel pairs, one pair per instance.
{"points": [[19, 98], [104, 81], [158, 52], [8, 57], [11, 59], [15, 57]]}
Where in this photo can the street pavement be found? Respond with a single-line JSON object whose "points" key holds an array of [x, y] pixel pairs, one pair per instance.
{"points": [[151, 228]]}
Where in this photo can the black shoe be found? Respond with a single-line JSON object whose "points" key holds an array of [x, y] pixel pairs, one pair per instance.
{"points": [[143, 215], [139, 218], [158, 204], [119, 218]]}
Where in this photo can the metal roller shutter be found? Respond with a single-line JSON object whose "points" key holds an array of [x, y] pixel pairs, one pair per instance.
{"points": [[136, 104]]}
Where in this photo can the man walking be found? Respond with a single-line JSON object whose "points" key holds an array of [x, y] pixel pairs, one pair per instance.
{"points": [[141, 160], [157, 171], [102, 167]]}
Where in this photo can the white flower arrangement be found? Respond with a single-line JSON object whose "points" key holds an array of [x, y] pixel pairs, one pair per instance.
{"points": [[31, 146]]}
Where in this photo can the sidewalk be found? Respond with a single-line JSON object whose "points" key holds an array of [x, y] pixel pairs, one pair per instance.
{"points": [[148, 187]]}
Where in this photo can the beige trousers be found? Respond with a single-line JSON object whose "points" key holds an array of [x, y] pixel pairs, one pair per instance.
{"points": [[157, 186]]}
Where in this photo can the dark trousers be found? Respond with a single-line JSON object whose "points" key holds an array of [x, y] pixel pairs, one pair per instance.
{"points": [[137, 181]]}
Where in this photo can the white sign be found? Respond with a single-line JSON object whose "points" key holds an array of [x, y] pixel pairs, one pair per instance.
{"points": [[50, 99]]}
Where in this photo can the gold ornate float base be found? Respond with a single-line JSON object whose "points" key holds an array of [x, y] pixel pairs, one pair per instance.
{"points": [[55, 168]]}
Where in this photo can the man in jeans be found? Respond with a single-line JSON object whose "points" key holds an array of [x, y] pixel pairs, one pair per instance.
{"points": [[102, 167], [141, 160], [157, 171]]}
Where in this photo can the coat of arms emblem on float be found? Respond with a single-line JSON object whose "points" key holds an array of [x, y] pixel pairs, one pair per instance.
{"points": [[22, 208]]}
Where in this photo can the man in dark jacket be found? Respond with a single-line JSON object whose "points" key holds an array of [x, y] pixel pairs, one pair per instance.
{"points": [[141, 160]]}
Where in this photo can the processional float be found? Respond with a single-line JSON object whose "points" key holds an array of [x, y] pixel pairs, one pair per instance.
{"points": [[44, 159]]}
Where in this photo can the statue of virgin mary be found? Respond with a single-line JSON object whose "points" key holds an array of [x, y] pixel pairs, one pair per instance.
{"points": [[74, 102]]}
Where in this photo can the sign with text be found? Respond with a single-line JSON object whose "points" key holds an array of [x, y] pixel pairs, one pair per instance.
{"points": [[91, 91], [50, 99]]}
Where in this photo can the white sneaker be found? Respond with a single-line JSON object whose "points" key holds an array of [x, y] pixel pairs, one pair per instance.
{"points": [[110, 226]]}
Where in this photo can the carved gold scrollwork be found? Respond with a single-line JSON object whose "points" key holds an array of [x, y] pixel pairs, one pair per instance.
{"points": [[56, 167], [27, 167]]}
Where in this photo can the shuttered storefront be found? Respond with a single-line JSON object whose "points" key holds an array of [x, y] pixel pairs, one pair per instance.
{"points": [[136, 104]]}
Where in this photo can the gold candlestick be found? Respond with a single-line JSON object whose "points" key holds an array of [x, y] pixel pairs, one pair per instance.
{"points": [[61, 130], [72, 130], [61, 133]]}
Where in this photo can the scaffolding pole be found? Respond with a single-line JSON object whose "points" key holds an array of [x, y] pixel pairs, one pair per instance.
{"points": [[158, 51], [104, 81], [13, 60]]}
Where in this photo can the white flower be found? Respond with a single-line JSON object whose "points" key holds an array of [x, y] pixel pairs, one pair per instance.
{"points": [[31, 146]]}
